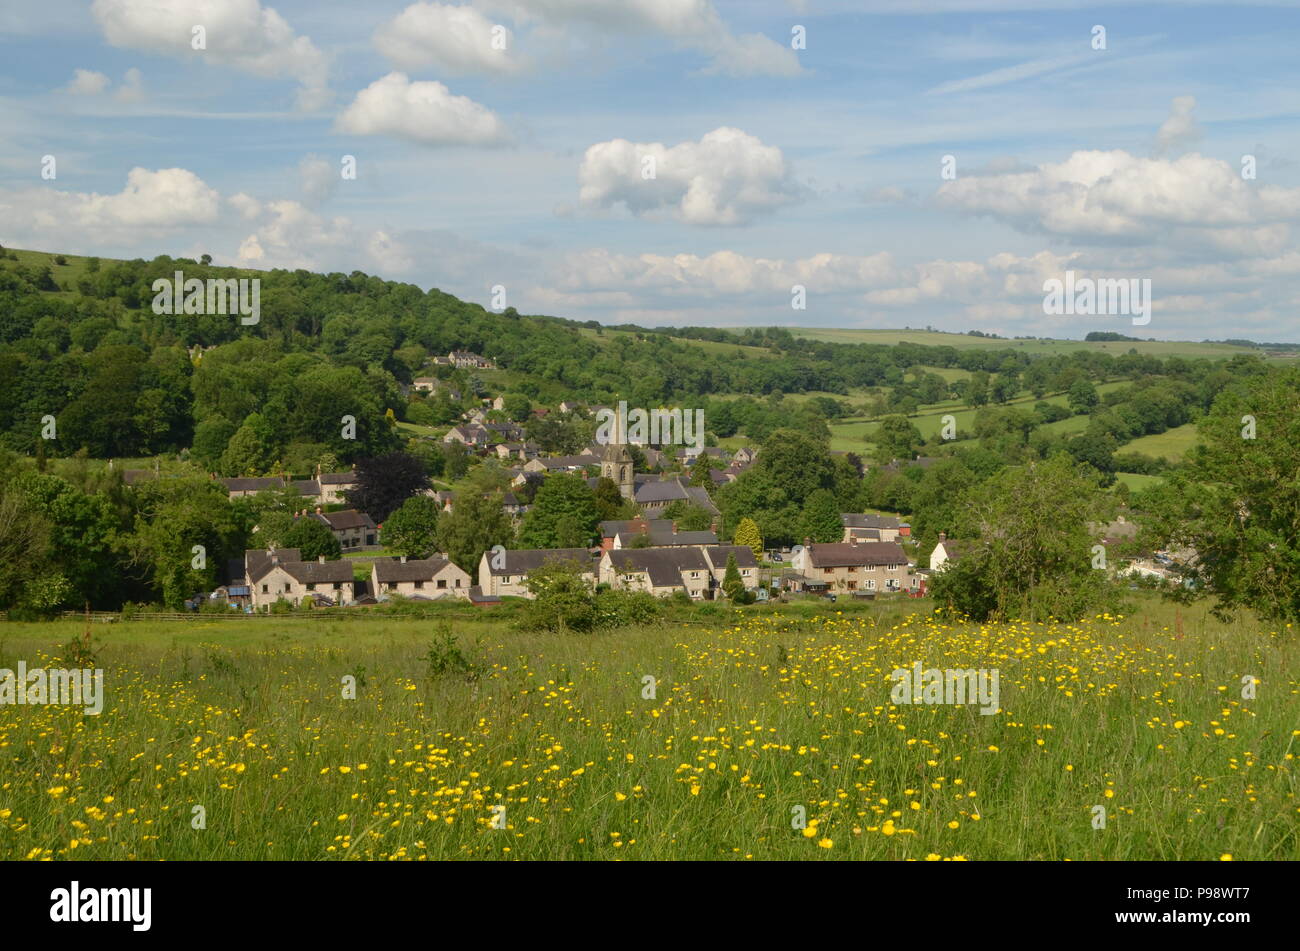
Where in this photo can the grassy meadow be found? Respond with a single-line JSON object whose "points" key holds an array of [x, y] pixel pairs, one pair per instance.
{"points": [[752, 714]]}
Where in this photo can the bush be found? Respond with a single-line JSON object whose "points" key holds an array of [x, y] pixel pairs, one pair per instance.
{"points": [[561, 599], [445, 655], [625, 608]]}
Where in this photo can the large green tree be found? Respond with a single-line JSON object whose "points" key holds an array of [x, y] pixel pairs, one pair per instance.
{"points": [[563, 514], [313, 539], [412, 530], [821, 518], [1030, 551], [1235, 502], [185, 531], [475, 524], [896, 438]]}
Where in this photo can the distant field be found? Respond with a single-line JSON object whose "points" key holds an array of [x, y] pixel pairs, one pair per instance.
{"points": [[415, 429], [1158, 348], [1167, 445], [607, 337], [849, 435], [68, 274], [1137, 482], [1071, 424]]}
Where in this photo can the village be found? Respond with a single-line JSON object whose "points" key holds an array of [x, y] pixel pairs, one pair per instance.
{"points": [[875, 556]]}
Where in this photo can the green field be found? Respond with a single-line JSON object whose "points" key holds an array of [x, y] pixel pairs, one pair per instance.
{"points": [[1158, 348], [1170, 444], [766, 736], [67, 274], [851, 435], [1136, 482]]}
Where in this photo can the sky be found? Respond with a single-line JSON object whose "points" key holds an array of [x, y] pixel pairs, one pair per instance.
{"points": [[883, 164]]}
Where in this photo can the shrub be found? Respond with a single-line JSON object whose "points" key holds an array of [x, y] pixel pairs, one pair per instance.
{"points": [[445, 656]]}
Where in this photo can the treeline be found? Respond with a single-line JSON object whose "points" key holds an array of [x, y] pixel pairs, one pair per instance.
{"points": [[120, 380]]}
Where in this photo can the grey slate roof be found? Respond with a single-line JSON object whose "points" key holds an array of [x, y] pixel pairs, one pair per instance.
{"points": [[664, 566], [258, 562], [414, 569], [744, 555], [522, 561], [854, 520], [865, 554], [251, 484], [341, 521], [314, 572], [660, 537]]}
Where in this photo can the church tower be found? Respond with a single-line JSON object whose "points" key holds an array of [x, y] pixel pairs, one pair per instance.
{"points": [[616, 462]]}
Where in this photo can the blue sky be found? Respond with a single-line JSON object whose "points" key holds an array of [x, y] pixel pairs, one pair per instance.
{"points": [[774, 167]]}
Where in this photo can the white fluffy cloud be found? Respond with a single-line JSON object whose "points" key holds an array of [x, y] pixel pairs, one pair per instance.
{"points": [[1192, 201], [291, 235], [724, 179], [1180, 129], [131, 88], [87, 82], [151, 204], [456, 40], [319, 178], [423, 112], [724, 272], [694, 24], [238, 33], [1001, 294]]}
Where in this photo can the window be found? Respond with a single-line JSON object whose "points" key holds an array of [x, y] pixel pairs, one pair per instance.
{"points": [[266, 589], [871, 584], [852, 568], [458, 582], [392, 586], [287, 587], [419, 585], [853, 585], [338, 586], [311, 587], [442, 582], [827, 571]]}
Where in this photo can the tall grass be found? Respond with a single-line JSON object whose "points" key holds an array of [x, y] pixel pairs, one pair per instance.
{"points": [[752, 715]]}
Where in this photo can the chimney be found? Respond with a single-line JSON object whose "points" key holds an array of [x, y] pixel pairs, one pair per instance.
{"points": [[713, 526], [806, 541], [674, 527], [403, 559], [321, 559], [943, 536]]}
